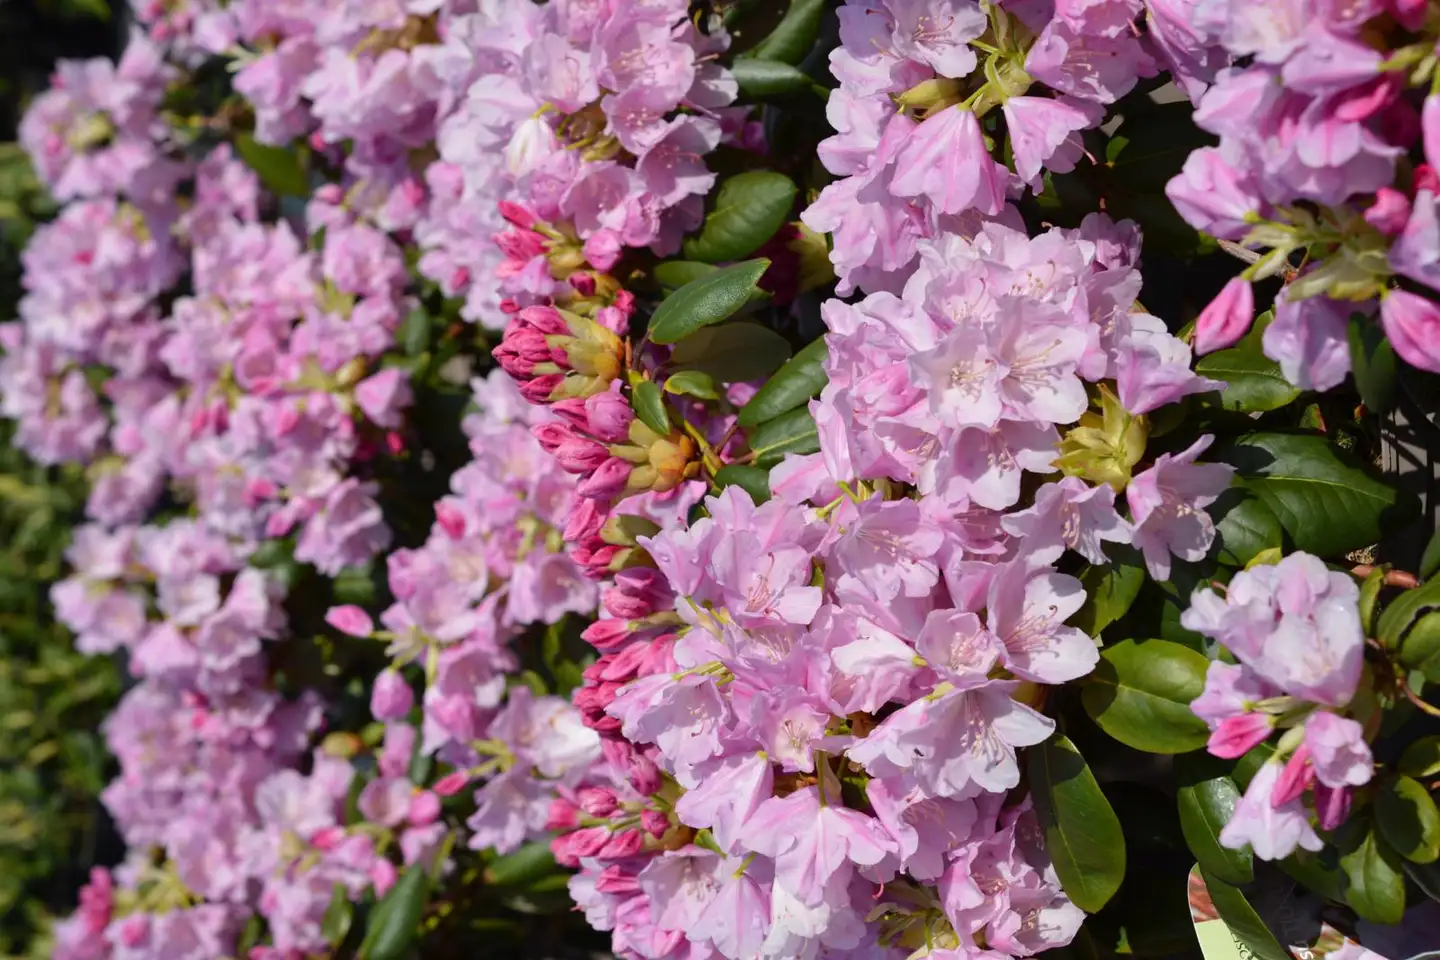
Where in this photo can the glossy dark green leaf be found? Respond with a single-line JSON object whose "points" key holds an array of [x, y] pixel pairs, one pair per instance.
{"points": [[1420, 648], [1370, 600], [802, 377], [749, 209], [1140, 694], [395, 920], [705, 301], [1245, 527], [732, 352], [1421, 758], [649, 406], [764, 79], [280, 169], [1082, 833], [415, 332], [1110, 589], [793, 37], [1430, 561], [335, 925], [1372, 363], [1377, 883], [1408, 819], [1327, 503], [753, 480], [674, 274], [793, 432], [1254, 381], [1206, 800], [692, 383], [1404, 611], [523, 867], [1244, 923]]}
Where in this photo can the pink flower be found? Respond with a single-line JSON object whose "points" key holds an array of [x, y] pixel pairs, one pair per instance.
{"points": [[1167, 503], [945, 160], [1412, 323], [1338, 750], [350, 620], [1272, 832]]}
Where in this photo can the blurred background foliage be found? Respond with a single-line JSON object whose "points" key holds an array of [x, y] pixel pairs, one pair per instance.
{"points": [[53, 762]]}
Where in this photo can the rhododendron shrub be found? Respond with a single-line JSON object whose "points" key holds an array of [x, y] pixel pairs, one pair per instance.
{"points": [[866, 479]]}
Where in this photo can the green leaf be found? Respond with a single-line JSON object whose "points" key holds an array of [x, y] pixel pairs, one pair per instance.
{"points": [[706, 301], [395, 919], [280, 169], [1082, 833], [692, 383], [1421, 758], [793, 432], [732, 352], [1328, 504], [1370, 599], [521, 868], [1245, 527], [1206, 799], [793, 37], [335, 925], [1408, 819], [1140, 694], [749, 209], [802, 377], [1372, 361], [674, 274], [1244, 923], [1377, 885], [1401, 614], [414, 333], [1430, 561], [650, 407], [1110, 589], [753, 480], [763, 79], [1255, 383], [1420, 649]]}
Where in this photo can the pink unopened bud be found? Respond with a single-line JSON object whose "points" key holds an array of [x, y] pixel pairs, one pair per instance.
{"points": [[622, 843], [586, 842], [383, 876], [451, 783], [607, 634], [134, 930], [1390, 211], [1226, 319], [582, 456], [391, 698], [350, 619], [451, 519], [540, 389], [545, 319], [327, 838], [517, 214], [607, 482], [602, 249], [1297, 775], [1236, 736], [562, 815], [424, 809], [655, 822], [615, 879], [609, 417], [582, 283], [597, 801], [1332, 804]]}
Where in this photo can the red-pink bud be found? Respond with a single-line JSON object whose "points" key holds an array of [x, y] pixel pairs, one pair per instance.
{"points": [[327, 838], [517, 214], [1237, 736], [609, 417], [655, 822], [545, 319], [1226, 319], [622, 844], [540, 389], [451, 784], [351, 620], [391, 698], [607, 634], [424, 809], [608, 480], [597, 801], [450, 519], [1332, 804], [582, 456], [1390, 211], [1296, 776], [563, 815]]}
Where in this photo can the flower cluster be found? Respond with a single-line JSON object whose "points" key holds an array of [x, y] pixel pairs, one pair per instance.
{"points": [[1313, 130], [754, 594], [1295, 628]]}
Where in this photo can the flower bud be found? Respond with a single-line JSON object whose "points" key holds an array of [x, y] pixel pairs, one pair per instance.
{"points": [[391, 698], [1238, 735], [424, 809], [1106, 445], [1226, 319], [351, 620]]}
